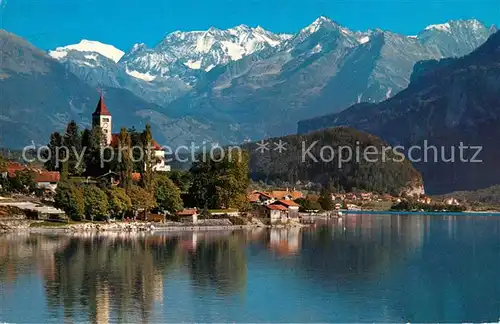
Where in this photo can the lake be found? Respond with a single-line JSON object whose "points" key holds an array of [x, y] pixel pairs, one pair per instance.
{"points": [[362, 268]]}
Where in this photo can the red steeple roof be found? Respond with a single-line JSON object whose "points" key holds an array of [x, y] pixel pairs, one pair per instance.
{"points": [[101, 108]]}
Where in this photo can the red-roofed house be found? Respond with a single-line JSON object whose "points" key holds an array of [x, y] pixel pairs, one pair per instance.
{"points": [[47, 180], [188, 215], [291, 206], [276, 212], [286, 194], [260, 198], [12, 168]]}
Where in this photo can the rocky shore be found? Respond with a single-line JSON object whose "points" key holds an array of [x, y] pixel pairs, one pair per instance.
{"points": [[9, 226]]}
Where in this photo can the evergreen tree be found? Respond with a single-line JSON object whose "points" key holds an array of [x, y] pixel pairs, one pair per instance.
{"points": [[182, 179], [3, 164], [136, 141], [325, 199], [125, 165], [56, 142], [92, 140], [148, 149], [73, 142]]}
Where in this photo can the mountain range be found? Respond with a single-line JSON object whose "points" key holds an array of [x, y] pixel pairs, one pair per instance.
{"points": [[235, 85], [448, 103], [248, 83]]}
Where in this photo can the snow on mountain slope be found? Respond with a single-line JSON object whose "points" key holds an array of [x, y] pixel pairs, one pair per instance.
{"points": [[105, 50], [251, 58], [199, 50]]}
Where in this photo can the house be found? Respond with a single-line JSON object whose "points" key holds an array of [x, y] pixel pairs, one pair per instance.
{"points": [[387, 197], [291, 206], [338, 196], [260, 198], [111, 178], [366, 196], [425, 200], [451, 202], [12, 168], [276, 213], [188, 215], [351, 196], [47, 180], [286, 194], [102, 118]]}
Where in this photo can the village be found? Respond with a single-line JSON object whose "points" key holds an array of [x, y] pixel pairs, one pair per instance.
{"points": [[151, 191]]}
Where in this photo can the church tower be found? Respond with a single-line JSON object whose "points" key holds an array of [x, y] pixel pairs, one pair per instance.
{"points": [[102, 118]]}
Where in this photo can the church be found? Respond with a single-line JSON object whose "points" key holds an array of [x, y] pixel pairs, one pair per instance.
{"points": [[102, 118]]}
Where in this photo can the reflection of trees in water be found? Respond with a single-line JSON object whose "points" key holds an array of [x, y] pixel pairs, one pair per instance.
{"points": [[118, 274], [22, 253], [92, 271]]}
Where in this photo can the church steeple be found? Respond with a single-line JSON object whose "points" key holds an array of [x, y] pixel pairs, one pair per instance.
{"points": [[102, 118], [101, 108]]}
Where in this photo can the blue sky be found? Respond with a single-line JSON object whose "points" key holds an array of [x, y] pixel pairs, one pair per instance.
{"points": [[52, 23]]}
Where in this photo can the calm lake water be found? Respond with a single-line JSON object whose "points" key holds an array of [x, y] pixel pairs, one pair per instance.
{"points": [[364, 268]]}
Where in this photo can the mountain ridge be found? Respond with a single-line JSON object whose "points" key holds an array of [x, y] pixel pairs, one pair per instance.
{"points": [[450, 102]]}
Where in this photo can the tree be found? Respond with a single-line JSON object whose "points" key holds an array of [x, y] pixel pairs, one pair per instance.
{"points": [[70, 199], [23, 181], [125, 164], [72, 141], [167, 194], [96, 203], [147, 170], [119, 202], [54, 153], [141, 199], [220, 182], [308, 204], [3, 165], [325, 200], [182, 179], [91, 143]]}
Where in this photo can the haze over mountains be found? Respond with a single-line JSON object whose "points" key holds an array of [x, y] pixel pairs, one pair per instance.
{"points": [[217, 85]]}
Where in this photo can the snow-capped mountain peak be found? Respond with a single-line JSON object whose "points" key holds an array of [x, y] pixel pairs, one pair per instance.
{"points": [[441, 27], [451, 26], [85, 45], [200, 50], [317, 24]]}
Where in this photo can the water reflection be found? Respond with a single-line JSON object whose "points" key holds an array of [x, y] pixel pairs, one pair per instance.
{"points": [[96, 273], [346, 269]]}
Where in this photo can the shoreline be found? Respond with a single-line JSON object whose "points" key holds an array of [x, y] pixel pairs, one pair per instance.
{"points": [[392, 212], [26, 226]]}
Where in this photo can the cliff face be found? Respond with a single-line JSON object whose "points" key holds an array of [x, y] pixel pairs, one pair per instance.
{"points": [[448, 104]]}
